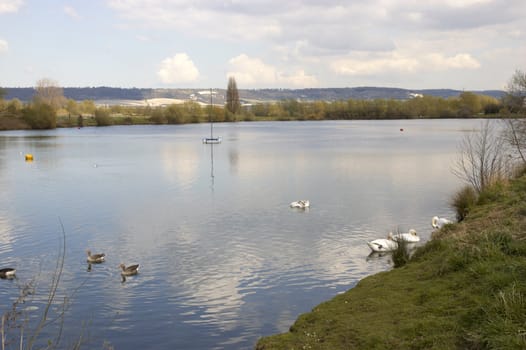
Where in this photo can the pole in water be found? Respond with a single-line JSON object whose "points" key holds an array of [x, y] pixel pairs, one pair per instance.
{"points": [[211, 121]]}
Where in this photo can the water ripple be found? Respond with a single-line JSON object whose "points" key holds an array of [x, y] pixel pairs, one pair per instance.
{"points": [[223, 259]]}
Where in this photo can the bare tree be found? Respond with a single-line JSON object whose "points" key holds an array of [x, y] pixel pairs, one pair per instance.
{"points": [[515, 135], [49, 92], [515, 98], [483, 157]]}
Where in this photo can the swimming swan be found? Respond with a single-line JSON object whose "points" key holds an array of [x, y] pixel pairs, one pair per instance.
{"points": [[437, 222], [409, 237], [383, 244], [300, 204]]}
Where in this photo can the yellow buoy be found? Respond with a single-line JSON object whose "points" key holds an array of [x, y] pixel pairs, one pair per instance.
{"points": [[29, 157]]}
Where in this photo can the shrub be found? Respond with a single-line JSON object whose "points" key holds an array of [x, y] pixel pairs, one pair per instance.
{"points": [[158, 117], [492, 108], [175, 115], [12, 122], [462, 201], [102, 117], [40, 116]]}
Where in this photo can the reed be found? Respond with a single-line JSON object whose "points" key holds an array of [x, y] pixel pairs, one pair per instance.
{"points": [[401, 255]]}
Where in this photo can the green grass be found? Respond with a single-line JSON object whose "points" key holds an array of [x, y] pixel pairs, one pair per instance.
{"points": [[465, 289]]}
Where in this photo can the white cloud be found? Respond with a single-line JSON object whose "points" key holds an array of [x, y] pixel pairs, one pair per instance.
{"points": [[464, 3], [7, 6], [459, 61], [71, 12], [249, 71], [328, 25], [298, 42], [368, 66], [297, 79], [178, 69], [304, 43], [402, 63], [3, 46], [254, 72]]}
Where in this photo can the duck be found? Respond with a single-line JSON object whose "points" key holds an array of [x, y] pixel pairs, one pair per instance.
{"points": [[130, 270], [95, 258], [302, 204], [383, 244], [437, 222], [7, 272], [409, 237]]}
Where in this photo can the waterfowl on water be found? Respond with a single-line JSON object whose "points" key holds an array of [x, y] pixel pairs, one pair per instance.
{"points": [[437, 222], [7, 272], [95, 258], [383, 244], [410, 237], [130, 270], [302, 204]]}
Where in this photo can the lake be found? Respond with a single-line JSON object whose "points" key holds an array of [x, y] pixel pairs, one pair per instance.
{"points": [[223, 259]]}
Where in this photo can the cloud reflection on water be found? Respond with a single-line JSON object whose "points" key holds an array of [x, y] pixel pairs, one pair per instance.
{"points": [[231, 263]]}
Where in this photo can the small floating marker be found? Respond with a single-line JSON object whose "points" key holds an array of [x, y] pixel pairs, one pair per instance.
{"points": [[29, 157], [401, 129]]}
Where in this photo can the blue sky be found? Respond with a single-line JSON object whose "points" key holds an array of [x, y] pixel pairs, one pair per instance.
{"points": [[459, 44]]}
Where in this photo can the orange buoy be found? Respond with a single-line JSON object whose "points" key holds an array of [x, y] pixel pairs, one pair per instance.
{"points": [[29, 157]]}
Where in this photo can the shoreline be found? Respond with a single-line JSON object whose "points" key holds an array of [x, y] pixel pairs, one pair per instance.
{"points": [[10, 123], [462, 289]]}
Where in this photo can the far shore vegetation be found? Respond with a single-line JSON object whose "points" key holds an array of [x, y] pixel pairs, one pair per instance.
{"points": [[49, 109]]}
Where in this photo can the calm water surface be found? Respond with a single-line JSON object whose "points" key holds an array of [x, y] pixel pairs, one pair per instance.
{"points": [[224, 260]]}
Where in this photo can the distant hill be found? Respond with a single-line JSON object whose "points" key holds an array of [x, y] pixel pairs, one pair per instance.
{"points": [[110, 95]]}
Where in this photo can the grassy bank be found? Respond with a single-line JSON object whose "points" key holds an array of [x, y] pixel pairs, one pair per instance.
{"points": [[465, 289]]}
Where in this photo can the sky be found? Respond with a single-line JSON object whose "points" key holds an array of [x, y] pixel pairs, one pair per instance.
{"points": [[292, 44]]}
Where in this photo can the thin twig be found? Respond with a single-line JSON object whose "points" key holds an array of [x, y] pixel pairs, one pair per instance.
{"points": [[53, 289]]}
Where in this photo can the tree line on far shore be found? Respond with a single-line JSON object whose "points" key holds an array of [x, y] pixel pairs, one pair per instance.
{"points": [[50, 109]]}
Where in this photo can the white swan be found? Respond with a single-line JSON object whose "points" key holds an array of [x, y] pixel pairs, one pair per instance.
{"points": [[383, 244], [409, 237], [300, 204], [437, 222]]}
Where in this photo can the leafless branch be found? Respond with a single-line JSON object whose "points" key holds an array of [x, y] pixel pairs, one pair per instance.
{"points": [[482, 159]]}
